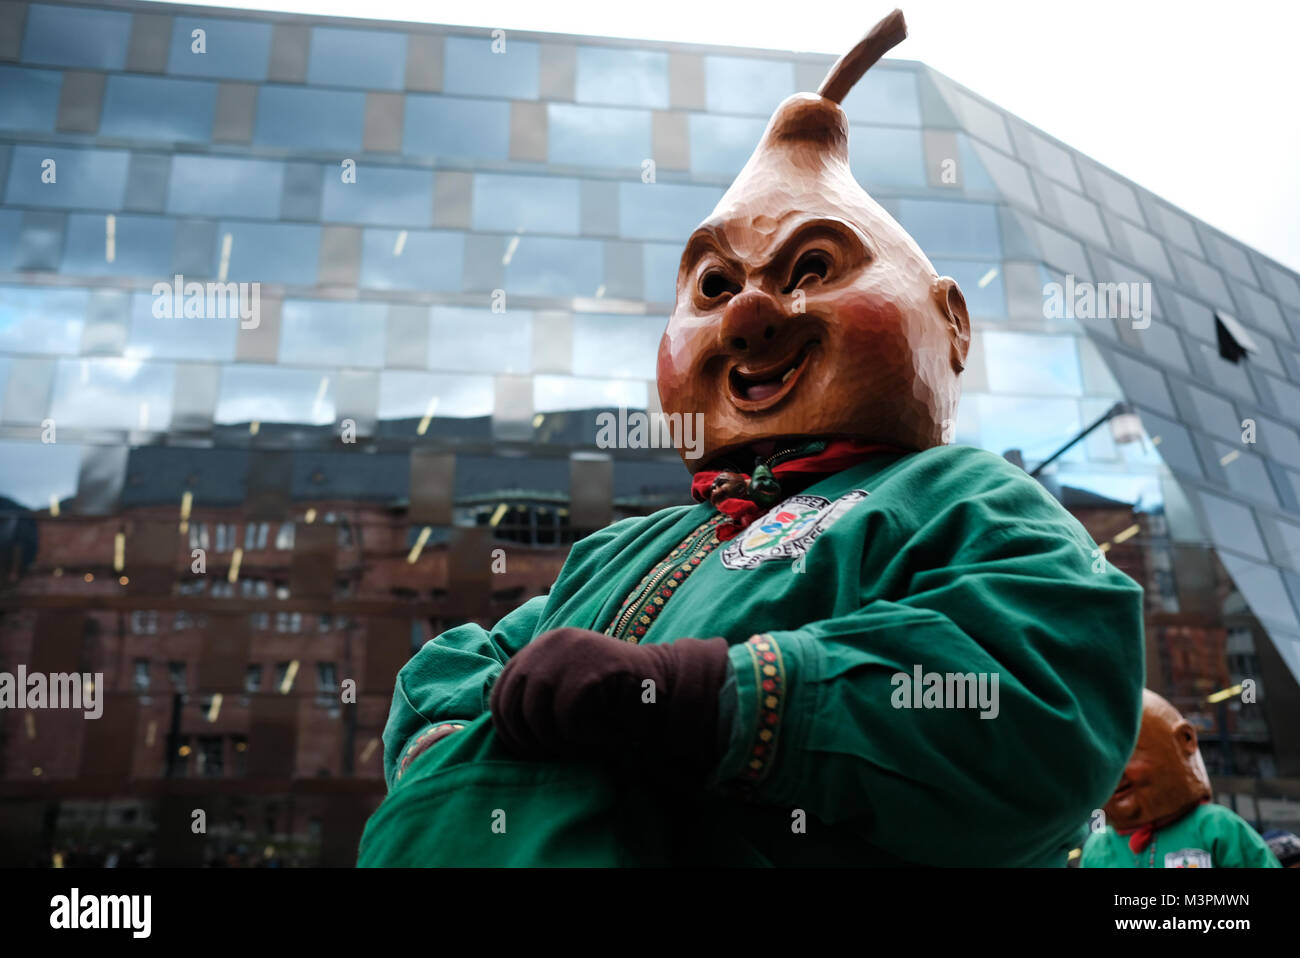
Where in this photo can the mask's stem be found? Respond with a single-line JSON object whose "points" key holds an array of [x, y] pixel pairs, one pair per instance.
{"points": [[848, 69]]}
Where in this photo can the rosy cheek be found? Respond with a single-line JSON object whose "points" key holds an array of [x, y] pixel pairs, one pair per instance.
{"points": [[666, 365], [1138, 772], [683, 345], [868, 318]]}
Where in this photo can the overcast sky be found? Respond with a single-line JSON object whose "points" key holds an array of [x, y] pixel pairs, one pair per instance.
{"points": [[1193, 100]]}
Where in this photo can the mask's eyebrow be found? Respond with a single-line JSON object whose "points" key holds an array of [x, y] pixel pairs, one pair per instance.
{"points": [[805, 228], [709, 237]]}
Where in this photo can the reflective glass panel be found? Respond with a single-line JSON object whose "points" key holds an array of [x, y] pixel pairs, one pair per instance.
{"points": [[100, 244], [974, 177], [659, 266], [481, 341], [1262, 588], [159, 108], [663, 211], [37, 320], [1011, 177], [882, 156], [76, 37], [1261, 310], [561, 393], [412, 394], [1116, 194], [722, 144], [888, 96], [286, 253], [472, 67], [1160, 342], [1147, 250], [1035, 425], [1231, 257], [1046, 156], [1081, 213], [1026, 363], [1230, 376], [952, 228], [315, 332], [622, 77], [281, 394], [10, 224], [1142, 383], [374, 59], [525, 204], [34, 473], [1177, 228], [981, 285], [744, 85], [233, 49], [31, 98], [414, 259], [1205, 278], [1245, 473], [546, 266], [314, 119], [225, 186], [381, 196], [1175, 443], [1232, 525], [596, 136], [104, 393], [83, 179], [982, 120], [457, 128], [178, 337], [626, 347]]}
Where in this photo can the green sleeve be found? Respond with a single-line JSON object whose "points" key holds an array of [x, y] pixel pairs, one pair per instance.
{"points": [[1002, 581], [449, 677], [1236, 844], [1096, 851]]}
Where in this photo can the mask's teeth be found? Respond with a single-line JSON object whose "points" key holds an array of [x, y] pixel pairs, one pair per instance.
{"points": [[788, 373]]}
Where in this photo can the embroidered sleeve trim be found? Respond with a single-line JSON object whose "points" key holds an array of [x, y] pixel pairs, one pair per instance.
{"points": [[769, 687], [421, 742], [646, 601]]}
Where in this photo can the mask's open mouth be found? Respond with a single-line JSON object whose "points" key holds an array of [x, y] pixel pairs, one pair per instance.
{"points": [[752, 390]]}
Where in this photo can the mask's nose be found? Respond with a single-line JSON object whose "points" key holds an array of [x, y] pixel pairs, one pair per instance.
{"points": [[752, 324]]}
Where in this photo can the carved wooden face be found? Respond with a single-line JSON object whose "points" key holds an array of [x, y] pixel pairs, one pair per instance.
{"points": [[804, 309], [1165, 775]]}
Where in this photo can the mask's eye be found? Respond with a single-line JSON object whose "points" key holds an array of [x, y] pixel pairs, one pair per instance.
{"points": [[715, 282], [812, 263]]}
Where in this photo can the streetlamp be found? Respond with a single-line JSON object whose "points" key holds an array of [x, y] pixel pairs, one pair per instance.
{"points": [[1125, 427]]}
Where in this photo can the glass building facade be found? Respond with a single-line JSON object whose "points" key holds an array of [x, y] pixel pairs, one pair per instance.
{"points": [[465, 247]]}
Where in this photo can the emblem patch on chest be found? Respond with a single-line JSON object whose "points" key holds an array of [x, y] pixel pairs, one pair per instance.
{"points": [[1189, 858], [788, 530]]}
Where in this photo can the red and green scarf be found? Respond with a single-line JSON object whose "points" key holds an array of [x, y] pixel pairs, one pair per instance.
{"points": [[744, 496]]}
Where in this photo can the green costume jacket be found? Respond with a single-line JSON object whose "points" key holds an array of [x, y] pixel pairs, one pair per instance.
{"points": [[1210, 836], [945, 561]]}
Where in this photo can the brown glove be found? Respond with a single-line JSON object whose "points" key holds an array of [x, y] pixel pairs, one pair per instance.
{"points": [[577, 694]]}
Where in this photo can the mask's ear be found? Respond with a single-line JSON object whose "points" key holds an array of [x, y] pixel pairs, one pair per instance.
{"points": [[1185, 736], [952, 307]]}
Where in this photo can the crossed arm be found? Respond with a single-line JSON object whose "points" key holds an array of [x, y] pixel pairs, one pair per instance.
{"points": [[807, 717]]}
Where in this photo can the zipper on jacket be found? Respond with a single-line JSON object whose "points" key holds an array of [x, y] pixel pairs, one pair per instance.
{"points": [[642, 596], [809, 449]]}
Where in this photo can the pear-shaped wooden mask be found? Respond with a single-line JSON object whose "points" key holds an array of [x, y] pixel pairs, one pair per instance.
{"points": [[1165, 777], [803, 308]]}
